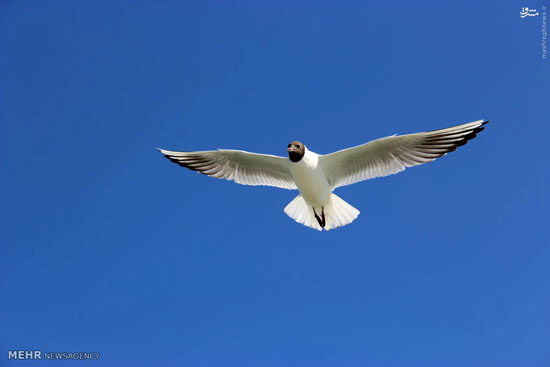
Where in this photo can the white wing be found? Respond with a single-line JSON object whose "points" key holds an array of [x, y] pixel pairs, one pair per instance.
{"points": [[243, 167], [393, 154]]}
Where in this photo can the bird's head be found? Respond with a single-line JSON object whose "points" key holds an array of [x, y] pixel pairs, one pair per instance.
{"points": [[296, 151]]}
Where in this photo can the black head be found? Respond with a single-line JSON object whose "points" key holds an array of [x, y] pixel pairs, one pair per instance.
{"points": [[296, 151]]}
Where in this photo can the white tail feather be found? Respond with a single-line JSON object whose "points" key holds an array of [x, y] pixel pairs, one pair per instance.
{"points": [[337, 213]]}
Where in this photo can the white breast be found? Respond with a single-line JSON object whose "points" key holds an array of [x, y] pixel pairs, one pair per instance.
{"points": [[310, 179]]}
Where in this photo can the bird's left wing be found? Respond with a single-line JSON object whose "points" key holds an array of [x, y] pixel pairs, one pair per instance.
{"points": [[393, 154], [242, 167]]}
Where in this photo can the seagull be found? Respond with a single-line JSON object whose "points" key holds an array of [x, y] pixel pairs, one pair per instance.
{"points": [[317, 175]]}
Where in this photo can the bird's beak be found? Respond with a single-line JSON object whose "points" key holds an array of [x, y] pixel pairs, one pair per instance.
{"points": [[290, 149]]}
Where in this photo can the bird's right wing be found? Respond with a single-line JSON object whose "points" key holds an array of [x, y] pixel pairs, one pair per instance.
{"points": [[393, 154], [242, 167]]}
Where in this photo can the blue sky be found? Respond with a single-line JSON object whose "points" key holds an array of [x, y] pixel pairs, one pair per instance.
{"points": [[108, 247]]}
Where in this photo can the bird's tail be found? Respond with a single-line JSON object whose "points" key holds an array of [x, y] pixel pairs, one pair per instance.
{"points": [[335, 213]]}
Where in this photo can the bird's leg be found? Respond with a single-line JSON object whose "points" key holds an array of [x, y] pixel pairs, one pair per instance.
{"points": [[321, 219]]}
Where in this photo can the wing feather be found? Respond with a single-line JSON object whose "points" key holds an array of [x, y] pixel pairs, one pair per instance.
{"points": [[393, 154], [242, 167]]}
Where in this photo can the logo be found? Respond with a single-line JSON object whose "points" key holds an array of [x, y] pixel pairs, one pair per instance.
{"points": [[526, 12], [37, 354]]}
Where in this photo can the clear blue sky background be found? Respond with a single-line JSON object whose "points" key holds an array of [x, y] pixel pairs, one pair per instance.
{"points": [[108, 247]]}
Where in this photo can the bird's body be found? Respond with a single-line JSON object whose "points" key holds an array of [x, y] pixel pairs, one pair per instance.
{"points": [[311, 180], [316, 175], [316, 206]]}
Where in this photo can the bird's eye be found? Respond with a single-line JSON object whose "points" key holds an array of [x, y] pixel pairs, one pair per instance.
{"points": [[298, 146], [288, 145]]}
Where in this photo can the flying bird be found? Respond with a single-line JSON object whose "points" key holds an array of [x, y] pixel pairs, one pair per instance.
{"points": [[317, 175]]}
